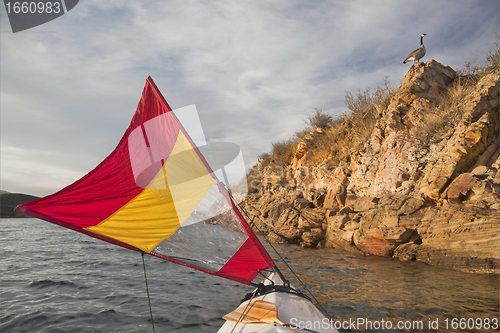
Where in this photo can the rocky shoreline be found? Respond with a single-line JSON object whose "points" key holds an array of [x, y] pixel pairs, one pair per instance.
{"points": [[406, 195]]}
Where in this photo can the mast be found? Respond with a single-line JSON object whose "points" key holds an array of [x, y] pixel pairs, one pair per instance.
{"points": [[282, 277]]}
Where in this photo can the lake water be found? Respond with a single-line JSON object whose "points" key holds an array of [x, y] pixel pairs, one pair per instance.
{"points": [[57, 280]]}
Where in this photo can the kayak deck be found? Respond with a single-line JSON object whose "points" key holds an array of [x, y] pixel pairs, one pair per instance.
{"points": [[297, 312]]}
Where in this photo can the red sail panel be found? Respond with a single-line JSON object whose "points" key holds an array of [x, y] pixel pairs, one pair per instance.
{"points": [[108, 187], [240, 263], [149, 194]]}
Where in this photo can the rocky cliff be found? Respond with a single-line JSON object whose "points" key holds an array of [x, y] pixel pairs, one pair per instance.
{"points": [[425, 187]]}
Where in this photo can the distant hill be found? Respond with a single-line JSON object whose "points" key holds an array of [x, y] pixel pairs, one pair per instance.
{"points": [[9, 201]]}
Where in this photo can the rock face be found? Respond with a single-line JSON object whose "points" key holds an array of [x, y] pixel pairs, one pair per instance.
{"points": [[406, 195]]}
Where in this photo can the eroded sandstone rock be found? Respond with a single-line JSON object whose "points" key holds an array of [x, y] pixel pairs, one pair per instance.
{"points": [[436, 201]]}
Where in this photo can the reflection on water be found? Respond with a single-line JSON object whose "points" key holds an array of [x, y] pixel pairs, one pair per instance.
{"points": [[57, 280], [370, 288]]}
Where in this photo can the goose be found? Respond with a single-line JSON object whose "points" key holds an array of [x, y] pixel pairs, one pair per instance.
{"points": [[418, 53]]}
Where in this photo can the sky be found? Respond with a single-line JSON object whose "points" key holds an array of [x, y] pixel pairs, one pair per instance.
{"points": [[254, 69]]}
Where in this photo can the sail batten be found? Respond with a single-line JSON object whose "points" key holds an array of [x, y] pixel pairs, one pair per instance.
{"points": [[157, 193]]}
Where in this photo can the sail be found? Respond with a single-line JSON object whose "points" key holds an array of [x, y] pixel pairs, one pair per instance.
{"points": [[157, 193]]}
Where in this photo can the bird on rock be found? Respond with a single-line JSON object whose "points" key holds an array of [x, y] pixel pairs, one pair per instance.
{"points": [[418, 53]]}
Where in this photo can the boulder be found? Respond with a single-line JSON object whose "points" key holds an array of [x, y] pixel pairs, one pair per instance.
{"points": [[312, 237], [363, 204]]}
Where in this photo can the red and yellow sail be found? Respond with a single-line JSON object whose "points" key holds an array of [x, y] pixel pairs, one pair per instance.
{"points": [[148, 195]]}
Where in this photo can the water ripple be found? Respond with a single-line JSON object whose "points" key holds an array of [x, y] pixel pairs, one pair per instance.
{"points": [[63, 281]]}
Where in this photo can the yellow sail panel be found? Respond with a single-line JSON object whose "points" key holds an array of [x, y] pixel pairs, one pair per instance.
{"points": [[143, 222], [191, 178], [160, 209]]}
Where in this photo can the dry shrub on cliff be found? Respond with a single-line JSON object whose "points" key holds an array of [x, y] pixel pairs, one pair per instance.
{"points": [[474, 72], [349, 132], [278, 159], [493, 57], [301, 134], [439, 121], [283, 152], [330, 148], [319, 118], [342, 136], [366, 108]]}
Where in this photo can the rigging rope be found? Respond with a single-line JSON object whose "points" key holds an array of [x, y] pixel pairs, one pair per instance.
{"points": [[244, 311], [276, 269], [147, 290]]}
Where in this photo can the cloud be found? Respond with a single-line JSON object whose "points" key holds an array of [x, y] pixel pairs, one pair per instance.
{"points": [[255, 70], [41, 175]]}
